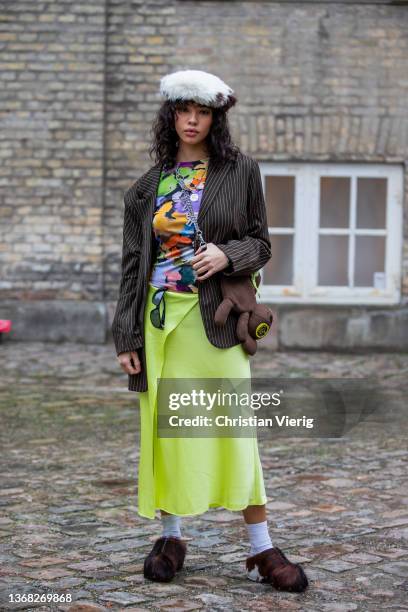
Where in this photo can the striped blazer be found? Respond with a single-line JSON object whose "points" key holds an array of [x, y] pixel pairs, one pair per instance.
{"points": [[232, 215]]}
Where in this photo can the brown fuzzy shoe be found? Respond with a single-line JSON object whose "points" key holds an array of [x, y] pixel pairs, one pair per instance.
{"points": [[165, 559], [274, 567]]}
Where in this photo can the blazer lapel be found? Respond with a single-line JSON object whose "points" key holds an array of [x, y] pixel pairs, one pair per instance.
{"points": [[151, 180], [150, 186], [216, 174]]}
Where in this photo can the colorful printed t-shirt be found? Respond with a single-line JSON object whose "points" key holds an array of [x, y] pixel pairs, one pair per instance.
{"points": [[174, 235]]}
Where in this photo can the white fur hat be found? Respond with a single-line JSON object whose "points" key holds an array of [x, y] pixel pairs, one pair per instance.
{"points": [[199, 86]]}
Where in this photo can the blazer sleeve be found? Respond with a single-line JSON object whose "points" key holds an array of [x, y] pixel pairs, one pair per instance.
{"points": [[125, 328], [252, 252]]}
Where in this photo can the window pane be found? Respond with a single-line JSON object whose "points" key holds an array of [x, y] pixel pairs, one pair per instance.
{"points": [[279, 197], [279, 269], [371, 202], [333, 257], [370, 258], [334, 201]]}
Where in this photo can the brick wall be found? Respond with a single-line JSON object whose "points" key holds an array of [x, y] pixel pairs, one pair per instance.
{"points": [[51, 146], [315, 81]]}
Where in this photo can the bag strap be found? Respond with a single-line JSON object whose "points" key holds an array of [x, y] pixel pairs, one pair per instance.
{"points": [[256, 281]]}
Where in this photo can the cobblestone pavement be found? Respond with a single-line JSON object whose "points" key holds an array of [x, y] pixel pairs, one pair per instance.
{"points": [[68, 522]]}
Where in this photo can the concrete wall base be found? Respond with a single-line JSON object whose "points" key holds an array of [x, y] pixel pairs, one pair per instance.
{"points": [[55, 321], [343, 328], [301, 328]]}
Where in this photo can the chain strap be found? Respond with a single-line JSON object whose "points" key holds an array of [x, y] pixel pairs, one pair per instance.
{"points": [[186, 201]]}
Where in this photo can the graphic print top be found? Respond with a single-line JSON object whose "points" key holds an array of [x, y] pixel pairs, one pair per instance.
{"points": [[174, 235]]}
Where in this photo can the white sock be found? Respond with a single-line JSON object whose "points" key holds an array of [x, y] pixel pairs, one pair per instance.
{"points": [[171, 525], [259, 537]]}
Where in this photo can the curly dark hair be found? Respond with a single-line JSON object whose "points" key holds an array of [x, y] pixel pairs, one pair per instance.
{"points": [[165, 138]]}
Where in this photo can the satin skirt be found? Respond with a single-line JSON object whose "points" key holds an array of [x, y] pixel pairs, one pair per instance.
{"points": [[186, 475]]}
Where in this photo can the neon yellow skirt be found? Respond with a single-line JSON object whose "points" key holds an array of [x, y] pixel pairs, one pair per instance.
{"points": [[187, 476]]}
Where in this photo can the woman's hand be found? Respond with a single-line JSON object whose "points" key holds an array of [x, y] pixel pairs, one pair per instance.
{"points": [[208, 262], [126, 359]]}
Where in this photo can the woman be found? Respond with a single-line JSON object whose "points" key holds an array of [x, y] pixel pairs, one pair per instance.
{"points": [[164, 322]]}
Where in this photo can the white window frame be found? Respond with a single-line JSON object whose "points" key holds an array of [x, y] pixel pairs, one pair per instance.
{"points": [[306, 234]]}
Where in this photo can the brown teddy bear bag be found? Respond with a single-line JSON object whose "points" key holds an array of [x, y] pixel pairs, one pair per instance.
{"points": [[255, 320]]}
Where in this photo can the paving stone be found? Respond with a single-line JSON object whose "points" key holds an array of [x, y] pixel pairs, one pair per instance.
{"points": [[69, 511], [220, 516], [298, 558], [276, 505], [42, 562], [392, 553], [329, 508], [86, 607], [398, 569], [133, 567], [206, 543], [168, 589], [84, 566], [361, 558], [137, 609], [205, 581], [340, 607], [330, 585], [395, 513], [384, 594], [212, 600], [123, 598], [340, 482], [135, 578], [129, 544], [232, 558], [9, 570], [200, 533], [266, 602], [47, 574], [70, 508], [68, 583], [335, 565], [179, 605], [107, 585], [394, 523], [300, 513], [82, 593], [102, 574]]}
